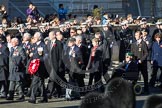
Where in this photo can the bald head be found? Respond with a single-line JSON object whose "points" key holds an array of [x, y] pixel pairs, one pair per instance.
{"points": [[52, 35]]}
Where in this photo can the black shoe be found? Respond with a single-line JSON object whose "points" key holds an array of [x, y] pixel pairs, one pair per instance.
{"points": [[28, 94], [57, 96], [22, 98], [49, 97], [160, 86], [68, 99], [9, 98], [145, 93], [32, 101], [151, 85], [76, 98], [2, 96], [42, 101]]}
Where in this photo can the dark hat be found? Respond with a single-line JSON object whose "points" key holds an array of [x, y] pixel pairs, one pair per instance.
{"points": [[143, 22], [72, 39], [139, 18], [129, 54], [143, 19], [158, 23]]}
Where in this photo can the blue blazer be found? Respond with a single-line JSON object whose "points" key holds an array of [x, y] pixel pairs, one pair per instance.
{"points": [[157, 53]]}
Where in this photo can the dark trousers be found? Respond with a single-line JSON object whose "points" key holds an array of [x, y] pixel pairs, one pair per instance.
{"points": [[106, 64], [96, 76], [38, 84], [154, 75], [142, 67], [52, 85], [79, 78], [3, 88], [17, 85]]}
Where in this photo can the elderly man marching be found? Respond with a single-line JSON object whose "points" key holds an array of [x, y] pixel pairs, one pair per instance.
{"points": [[17, 62]]}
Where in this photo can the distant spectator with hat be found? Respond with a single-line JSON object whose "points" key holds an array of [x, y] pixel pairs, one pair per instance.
{"points": [[157, 30], [143, 25]]}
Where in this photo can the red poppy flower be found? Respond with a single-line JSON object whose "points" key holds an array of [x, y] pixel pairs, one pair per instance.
{"points": [[54, 45], [33, 66]]}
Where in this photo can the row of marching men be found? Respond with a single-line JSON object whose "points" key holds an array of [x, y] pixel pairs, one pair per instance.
{"points": [[50, 59], [56, 55]]}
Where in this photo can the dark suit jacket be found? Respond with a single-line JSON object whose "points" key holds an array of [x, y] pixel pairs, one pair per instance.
{"points": [[73, 64], [123, 69], [85, 55], [27, 47], [54, 58], [35, 47], [17, 65], [42, 72], [157, 53], [140, 51], [132, 66], [4, 62], [96, 65]]}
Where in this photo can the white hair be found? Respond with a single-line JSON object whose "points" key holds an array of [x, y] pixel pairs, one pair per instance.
{"points": [[27, 35], [79, 37], [15, 39], [38, 35]]}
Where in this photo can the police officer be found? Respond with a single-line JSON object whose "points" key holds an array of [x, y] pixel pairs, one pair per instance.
{"points": [[126, 38]]}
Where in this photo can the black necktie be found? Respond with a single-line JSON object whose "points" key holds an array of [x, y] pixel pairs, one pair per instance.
{"points": [[51, 45], [12, 51]]}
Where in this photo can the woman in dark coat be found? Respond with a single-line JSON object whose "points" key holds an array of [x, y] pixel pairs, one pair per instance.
{"points": [[95, 64], [156, 58]]}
